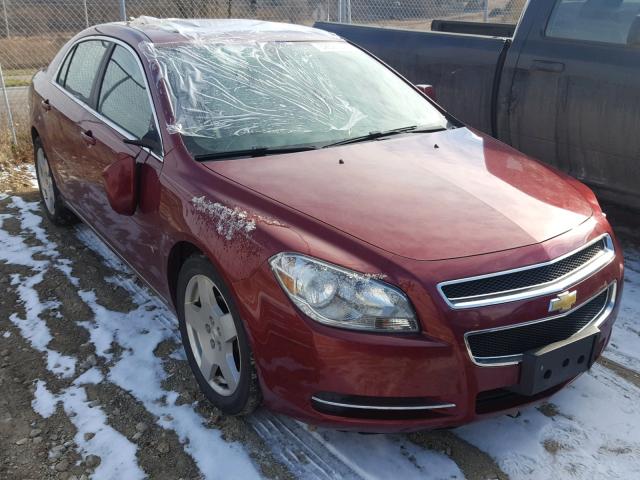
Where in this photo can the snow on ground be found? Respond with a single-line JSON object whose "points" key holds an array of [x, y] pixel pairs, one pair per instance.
{"points": [[101, 440], [625, 344], [13, 249], [591, 433], [387, 456], [594, 435], [138, 370]]}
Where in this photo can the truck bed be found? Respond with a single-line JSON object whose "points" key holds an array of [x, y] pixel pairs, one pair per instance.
{"points": [[474, 28], [464, 69]]}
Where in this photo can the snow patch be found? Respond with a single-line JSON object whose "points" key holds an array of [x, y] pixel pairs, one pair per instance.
{"points": [[387, 456], [6, 334], [91, 240], [624, 347], [44, 402], [229, 221], [367, 276], [90, 419], [30, 168], [34, 329], [14, 250], [140, 372], [590, 444]]}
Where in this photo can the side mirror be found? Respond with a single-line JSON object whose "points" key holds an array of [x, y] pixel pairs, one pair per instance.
{"points": [[121, 184], [428, 90]]}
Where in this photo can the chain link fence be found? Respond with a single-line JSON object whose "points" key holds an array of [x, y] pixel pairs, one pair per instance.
{"points": [[32, 31]]}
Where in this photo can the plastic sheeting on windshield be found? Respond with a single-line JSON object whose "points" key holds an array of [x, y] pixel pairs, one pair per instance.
{"points": [[244, 84], [224, 82]]}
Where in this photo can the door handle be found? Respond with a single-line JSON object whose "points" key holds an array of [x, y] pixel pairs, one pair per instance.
{"points": [[45, 104], [88, 137], [547, 66]]}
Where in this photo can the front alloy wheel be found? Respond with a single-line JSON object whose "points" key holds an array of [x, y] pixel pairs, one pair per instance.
{"points": [[215, 340]]}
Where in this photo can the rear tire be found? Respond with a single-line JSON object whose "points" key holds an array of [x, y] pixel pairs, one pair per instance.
{"points": [[51, 199], [215, 340]]}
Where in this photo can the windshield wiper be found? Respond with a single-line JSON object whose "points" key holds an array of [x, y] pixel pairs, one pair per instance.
{"points": [[375, 135], [372, 136], [253, 152]]}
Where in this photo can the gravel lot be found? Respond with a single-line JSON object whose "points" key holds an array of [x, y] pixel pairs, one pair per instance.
{"points": [[94, 385]]}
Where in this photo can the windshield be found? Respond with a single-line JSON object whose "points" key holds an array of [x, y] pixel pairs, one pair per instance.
{"points": [[241, 96]]}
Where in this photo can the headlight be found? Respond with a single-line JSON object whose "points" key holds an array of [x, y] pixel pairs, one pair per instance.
{"points": [[343, 298]]}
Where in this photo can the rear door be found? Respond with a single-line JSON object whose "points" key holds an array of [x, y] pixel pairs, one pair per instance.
{"points": [[124, 110], [76, 81], [576, 93]]}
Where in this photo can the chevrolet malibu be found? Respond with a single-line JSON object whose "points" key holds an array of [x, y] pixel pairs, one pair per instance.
{"points": [[333, 243]]}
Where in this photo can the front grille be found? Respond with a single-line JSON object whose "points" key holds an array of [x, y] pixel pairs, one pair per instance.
{"points": [[524, 278], [519, 339]]}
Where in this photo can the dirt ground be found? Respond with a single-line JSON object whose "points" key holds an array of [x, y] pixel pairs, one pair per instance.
{"points": [[37, 446]]}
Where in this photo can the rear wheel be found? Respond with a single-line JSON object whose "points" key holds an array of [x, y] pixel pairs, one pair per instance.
{"points": [[215, 340], [51, 198]]}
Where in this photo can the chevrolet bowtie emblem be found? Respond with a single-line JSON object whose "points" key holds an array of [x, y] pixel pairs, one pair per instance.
{"points": [[563, 302]]}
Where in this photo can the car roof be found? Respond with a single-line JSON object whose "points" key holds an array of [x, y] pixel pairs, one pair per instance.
{"points": [[168, 30]]}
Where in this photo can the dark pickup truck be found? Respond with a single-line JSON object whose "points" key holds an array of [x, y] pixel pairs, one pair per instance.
{"points": [[562, 86]]}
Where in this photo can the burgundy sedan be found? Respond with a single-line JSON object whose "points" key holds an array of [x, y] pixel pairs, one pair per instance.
{"points": [[334, 244]]}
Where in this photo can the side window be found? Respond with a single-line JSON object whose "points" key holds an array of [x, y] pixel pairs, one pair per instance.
{"points": [[123, 97], [62, 73], [608, 21], [84, 62]]}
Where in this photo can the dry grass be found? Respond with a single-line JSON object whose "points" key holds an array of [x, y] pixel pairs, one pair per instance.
{"points": [[14, 160], [15, 154], [30, 52]]}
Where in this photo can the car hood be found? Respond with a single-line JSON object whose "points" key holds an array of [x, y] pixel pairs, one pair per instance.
{"points": [[425, 196]]}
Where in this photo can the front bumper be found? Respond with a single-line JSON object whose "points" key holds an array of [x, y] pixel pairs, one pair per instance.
{"points": [[327, 376]]}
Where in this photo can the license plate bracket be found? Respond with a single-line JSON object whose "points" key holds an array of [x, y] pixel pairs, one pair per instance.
{"points": [[557, 363]]}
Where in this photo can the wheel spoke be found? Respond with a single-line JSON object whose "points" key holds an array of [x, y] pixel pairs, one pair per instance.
{"points": [[206, 364], [227, 328], [205, 293], [229, 371], [196, 318]]}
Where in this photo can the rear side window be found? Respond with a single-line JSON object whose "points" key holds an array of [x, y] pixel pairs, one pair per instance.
{"points": [[62, 73], [80, 68], [607, 21], [123, 96]]}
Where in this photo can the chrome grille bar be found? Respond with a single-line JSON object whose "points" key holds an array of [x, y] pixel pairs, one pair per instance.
{"points": [[598, 319], [587, 266]]}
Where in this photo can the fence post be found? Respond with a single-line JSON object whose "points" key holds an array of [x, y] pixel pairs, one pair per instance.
{"points": [[6, 18], [8, 106], [86, 14], [123, 10], [344, 11], [486, 11]]}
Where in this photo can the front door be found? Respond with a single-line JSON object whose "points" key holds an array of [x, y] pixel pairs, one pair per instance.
{"points": [[124, 110], [577, 93]]}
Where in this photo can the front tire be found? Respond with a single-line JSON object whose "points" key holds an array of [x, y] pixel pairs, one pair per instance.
{"points": [[49, 193], [215, 340]]}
